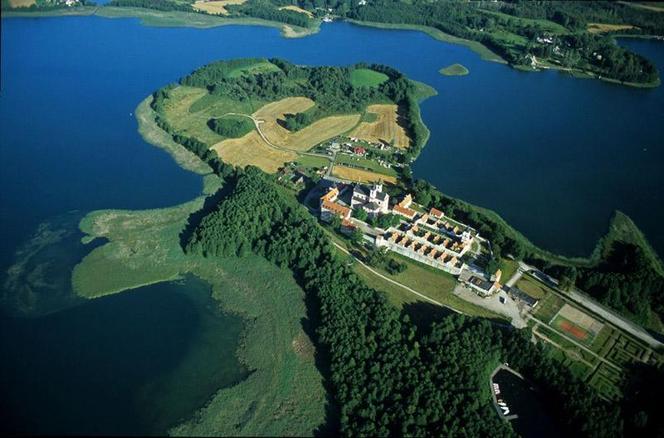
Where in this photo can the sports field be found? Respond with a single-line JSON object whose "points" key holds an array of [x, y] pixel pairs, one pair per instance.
{"points": [[576, 324]]}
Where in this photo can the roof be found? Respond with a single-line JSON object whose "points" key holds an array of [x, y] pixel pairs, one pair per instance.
{"points": [[482, 284], [436, 213], [381, 196], [358, 189], [406, 201], [359, 150], [520, 295], [335, 208], [371, 206], [348, 224], [330, 195], [404, 211]]}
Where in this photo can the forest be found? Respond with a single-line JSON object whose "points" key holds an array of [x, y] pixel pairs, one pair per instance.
{"points": [[231, 126], [387, 376], [329, 87], [555, 32]]}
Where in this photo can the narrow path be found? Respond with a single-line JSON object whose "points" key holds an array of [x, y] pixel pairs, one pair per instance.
{"points": [[411, 290], [561, 348]]}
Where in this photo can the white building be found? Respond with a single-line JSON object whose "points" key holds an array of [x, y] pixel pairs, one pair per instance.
{"points": [[372, 200]]}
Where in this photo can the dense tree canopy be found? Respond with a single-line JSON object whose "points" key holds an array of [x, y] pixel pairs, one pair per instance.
{"points": [[387, 379]]}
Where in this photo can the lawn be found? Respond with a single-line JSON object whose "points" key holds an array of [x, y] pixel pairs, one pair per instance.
{"points": [[454, 70], [508, 268], [548, 307], [533, 287], [312, 162], [433, 283], [364, 77], [352, 161], [546, 25]]}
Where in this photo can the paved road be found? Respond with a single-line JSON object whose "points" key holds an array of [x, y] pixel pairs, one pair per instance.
{"points": [[606, 313]]}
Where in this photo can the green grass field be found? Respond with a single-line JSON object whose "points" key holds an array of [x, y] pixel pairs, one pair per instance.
{"points": [[364, 77], [533, 287], [548, 307], [545, 25], [364, 163], [312, 162], [454, 70], [508, 268], [284, 394]]}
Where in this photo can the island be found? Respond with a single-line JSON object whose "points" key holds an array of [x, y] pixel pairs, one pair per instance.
{"points": [[364, 288], [454, 70]]}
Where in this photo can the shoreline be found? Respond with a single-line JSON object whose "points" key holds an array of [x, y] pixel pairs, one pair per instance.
{"points": [[156, 18]]}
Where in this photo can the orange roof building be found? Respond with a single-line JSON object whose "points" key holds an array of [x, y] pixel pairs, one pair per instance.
{"points": [[404, 211], [436, 213], [331, 195]]}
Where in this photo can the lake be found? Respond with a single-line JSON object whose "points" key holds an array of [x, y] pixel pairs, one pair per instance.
{"points": [[132, 363], [532, 420], [554, 155]]}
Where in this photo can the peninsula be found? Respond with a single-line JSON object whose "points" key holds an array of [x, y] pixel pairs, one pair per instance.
{"points": [[307, 169]]}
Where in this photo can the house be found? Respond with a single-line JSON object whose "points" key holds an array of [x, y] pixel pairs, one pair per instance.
{"points": [[330, 208], [481, 285], [402, 208], [436, 213], [520, 296], [359, 150]]}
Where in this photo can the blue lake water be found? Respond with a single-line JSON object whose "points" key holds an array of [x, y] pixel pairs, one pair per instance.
{"points": [[554, 155]]}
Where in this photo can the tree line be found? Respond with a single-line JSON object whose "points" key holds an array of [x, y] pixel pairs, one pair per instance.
{"points": [[386, 377]]}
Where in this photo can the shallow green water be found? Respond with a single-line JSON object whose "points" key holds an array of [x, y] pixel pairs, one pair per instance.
{"points": [[132, 363]]}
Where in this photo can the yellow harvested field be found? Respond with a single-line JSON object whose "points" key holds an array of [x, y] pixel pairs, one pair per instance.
{"points": [[216, 6], [321, 130], [384, 129], [602, 27], [21, 3], [306, 138], [361, 175], [251, 149], [297, 9]]}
